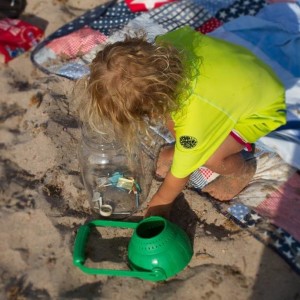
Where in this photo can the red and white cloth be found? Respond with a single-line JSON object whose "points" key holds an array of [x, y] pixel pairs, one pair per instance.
{"points": [[77, 43], [145, 5], [282, 206]]}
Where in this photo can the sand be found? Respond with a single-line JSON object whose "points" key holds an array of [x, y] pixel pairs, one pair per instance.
{"points": [[43, 202]]}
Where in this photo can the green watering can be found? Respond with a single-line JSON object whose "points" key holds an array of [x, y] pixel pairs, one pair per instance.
{"points": [[157, 250]]}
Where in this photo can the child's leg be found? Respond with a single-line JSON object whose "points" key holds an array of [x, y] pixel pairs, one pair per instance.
{"points": [[225, 187], [235, 172], [164, 161]]}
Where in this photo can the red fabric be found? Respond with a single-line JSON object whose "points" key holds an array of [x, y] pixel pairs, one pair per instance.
{"points": [[77, 42], [209, 25], [145, 5], [16, 37], [205, 172], [247, 146]]}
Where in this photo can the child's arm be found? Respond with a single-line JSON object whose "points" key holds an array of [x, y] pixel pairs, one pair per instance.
{"points": [[161, 202], [163, 199]]}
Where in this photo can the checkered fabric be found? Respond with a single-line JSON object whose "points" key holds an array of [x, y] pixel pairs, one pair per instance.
{"points": [[78, 42], [180, 13], [201, 177]]}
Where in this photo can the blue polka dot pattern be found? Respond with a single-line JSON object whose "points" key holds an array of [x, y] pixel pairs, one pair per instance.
{"points": [[115, 18]]}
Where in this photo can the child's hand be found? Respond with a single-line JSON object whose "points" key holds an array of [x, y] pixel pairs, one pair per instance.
{"points": [[159, 206], [161, 202], [159, 210]]}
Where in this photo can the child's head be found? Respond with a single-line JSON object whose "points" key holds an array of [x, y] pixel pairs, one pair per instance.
{"points": [[131, 80]]}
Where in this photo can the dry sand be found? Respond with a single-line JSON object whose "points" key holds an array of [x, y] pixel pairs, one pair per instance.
{"points": [[43, 202]]}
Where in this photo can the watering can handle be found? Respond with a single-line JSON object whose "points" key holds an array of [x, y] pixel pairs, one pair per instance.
{"points": [[79, 256]]}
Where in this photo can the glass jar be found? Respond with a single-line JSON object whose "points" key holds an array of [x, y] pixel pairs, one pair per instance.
{"points": [[115, 184]]}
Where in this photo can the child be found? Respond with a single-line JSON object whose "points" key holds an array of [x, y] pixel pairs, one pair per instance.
{"points": [[215, 97]]}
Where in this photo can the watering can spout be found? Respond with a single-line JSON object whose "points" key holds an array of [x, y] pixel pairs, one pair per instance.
{"points": [[158, 249]]}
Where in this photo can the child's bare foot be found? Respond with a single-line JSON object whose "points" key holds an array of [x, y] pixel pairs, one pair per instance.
{"points": [[224, 188], [164, 161]]}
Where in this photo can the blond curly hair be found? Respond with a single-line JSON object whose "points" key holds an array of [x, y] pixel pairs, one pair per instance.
{"points": [[130, 81]]}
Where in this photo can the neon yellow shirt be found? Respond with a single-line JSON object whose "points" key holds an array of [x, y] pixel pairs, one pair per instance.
{"points": [[229, 89]]}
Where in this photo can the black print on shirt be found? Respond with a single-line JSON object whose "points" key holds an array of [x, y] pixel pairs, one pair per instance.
{"points": [[188, 141]]}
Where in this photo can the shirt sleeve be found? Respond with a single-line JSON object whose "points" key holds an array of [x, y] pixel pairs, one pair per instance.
{"points": [[200, 129]]}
